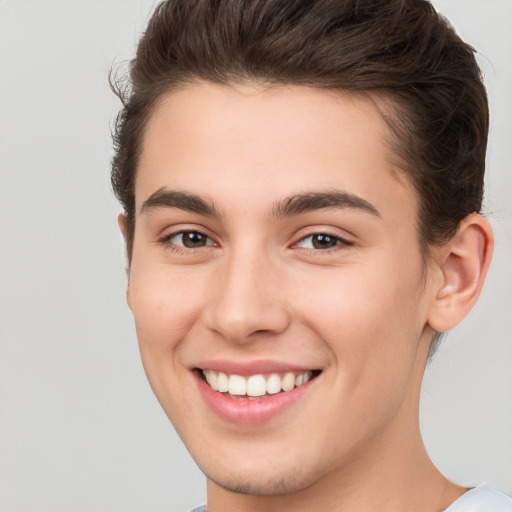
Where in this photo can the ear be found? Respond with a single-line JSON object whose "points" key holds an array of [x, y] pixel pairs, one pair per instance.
{"points": [[463, 263], [121, 221]]}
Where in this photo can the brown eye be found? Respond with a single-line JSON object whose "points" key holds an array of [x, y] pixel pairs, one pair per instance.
{"points": [[192, 239], [324, 241], [188, 240], [319, 241]]}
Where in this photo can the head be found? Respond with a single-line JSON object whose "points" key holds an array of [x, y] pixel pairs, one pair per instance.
{"points": [[385, 87]]}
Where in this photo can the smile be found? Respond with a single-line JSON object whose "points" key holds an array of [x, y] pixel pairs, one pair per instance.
{"points": [[255, 386]]}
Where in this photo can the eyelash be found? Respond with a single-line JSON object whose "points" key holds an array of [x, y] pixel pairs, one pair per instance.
{"points": [[166, 241], [341, 243]]}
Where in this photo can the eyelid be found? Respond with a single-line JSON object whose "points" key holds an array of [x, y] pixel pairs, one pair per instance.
{"points": [[343, 242], [320, 229], [182, 232], [166, 238]]}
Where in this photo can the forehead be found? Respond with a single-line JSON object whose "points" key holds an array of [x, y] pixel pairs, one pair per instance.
{"points": [[281, 139]]}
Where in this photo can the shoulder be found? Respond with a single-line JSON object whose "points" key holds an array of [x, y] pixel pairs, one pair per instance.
{"points": [[202, 508], [482, 499]]}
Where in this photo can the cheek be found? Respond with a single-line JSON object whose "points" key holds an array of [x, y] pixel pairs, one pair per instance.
{"points": [[165, 305], [361, 302], [371, 318]]}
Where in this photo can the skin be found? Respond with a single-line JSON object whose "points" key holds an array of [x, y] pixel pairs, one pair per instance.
{"points": [[362, 311]]}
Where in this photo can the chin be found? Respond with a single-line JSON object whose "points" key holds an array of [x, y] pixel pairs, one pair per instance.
{"points": [[257, 481]]}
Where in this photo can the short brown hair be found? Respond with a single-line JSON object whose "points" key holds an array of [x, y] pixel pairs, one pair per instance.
{"points": [[402, 49]]}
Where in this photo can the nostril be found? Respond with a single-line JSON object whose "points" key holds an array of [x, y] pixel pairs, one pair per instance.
{"points": [[263, 332]]}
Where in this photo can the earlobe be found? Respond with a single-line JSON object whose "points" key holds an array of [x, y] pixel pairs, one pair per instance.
{"points": [[463, 262]]}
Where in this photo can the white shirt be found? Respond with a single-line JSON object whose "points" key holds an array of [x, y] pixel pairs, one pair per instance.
{"points": [[482, 499]]}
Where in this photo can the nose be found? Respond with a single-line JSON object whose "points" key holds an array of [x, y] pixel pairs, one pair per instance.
{"points": [[249, 301]]}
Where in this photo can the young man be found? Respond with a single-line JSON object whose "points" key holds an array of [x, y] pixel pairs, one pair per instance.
{"points": [[302, 184]]}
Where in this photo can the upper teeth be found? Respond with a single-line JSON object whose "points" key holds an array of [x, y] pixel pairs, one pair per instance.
{"points": [[255, 385]]}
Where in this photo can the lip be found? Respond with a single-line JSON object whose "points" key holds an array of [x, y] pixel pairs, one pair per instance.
{"points": [[246, 369], [245, 411]]}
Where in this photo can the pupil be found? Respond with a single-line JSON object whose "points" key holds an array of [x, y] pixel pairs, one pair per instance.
{"points": [[324, 241], [192, 239]]}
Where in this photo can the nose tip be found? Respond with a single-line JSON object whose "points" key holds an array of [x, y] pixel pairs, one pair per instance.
{"points": [[243, 326], [248, 305]]}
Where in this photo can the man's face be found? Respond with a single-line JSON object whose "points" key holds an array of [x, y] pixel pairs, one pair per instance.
{"points": [[275, 243]]}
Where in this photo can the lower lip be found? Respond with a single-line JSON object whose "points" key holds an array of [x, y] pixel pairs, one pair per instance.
{"points": [[245, 411]]}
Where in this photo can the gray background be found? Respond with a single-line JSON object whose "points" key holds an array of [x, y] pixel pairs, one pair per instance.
{"points": [[79, 427]]}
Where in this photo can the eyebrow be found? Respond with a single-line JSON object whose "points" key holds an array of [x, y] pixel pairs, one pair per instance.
{"points": [[288, 207], [163, 198], [310, 201]]}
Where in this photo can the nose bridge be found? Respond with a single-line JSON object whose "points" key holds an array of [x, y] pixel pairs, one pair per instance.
{"points": [[248, 300]]}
